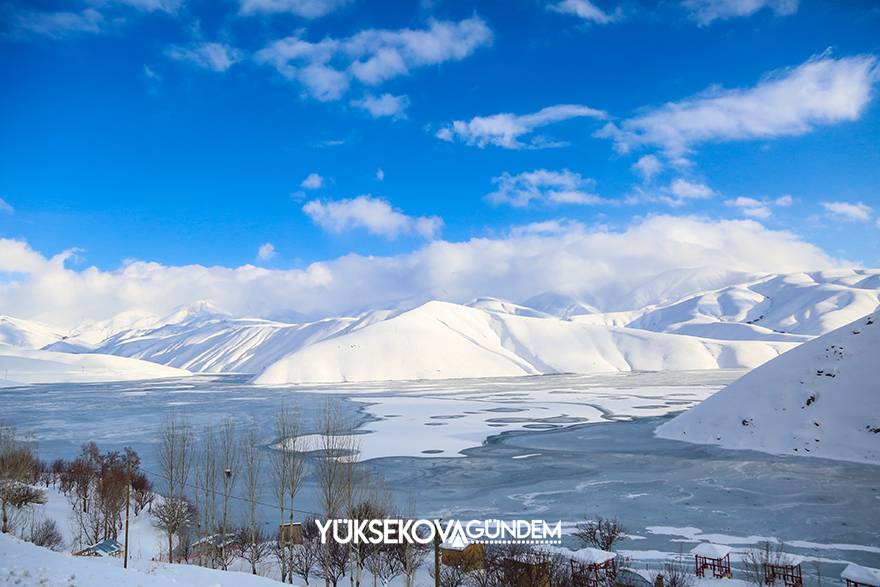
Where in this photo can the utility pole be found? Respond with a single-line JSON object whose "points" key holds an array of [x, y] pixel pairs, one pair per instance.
{"points": [[127, 506], [437, 555]]}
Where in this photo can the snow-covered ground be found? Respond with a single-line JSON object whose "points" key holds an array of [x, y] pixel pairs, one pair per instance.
{"points": [[821, 399], [20, 366]]}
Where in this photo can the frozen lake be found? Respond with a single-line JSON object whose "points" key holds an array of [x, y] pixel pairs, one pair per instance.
{"points": [[558, 447]]}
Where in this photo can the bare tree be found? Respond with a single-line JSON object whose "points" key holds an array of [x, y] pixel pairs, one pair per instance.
{"points": [[308, 555], [175, 458], [229, 463], [18, 468], [288, 464], [252, 546], [675, 573], [252, 458], [206, 494], [757, 560], [335, 477], [174, 516], [600, 532]]}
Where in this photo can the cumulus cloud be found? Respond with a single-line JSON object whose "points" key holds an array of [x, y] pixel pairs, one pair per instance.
{"points": [[849, 211], [303, 8], [585, 10], [608, 267], [648, 166], [755, 208], [375, 215], [328, 67], [380, 174], [265, 252], [214, 56], [789, 102], [313, 181], [386, 105], [506, 130], [705, 12], [6, 207], [543, 186]]}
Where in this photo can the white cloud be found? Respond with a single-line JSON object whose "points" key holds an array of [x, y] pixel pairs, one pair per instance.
{"points": [[380, 174], [386, 105], [605, 266], [60, 24], [849, 211], [265, 252], [784, 201], [327, 68], [543, 187], [375, 215], [303, 8], [313, 181], [682, 190], [585, 10], [648, 166], [789, 102], [505, 130], [750, 207], [152, 5], [705, 12], [6, 207], [214, 56]]}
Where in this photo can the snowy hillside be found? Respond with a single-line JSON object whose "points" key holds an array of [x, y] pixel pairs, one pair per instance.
{"points": [[215, 343], [821, 399], [26, 334], [442, 340], [793, 307], [26, 366]]}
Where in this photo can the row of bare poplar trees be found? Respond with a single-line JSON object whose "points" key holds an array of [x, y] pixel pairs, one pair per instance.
{"points": [[212, 492]]}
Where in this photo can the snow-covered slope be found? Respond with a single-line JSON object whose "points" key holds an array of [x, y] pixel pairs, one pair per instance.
{"points": [[25, 565], [442, 340], [26, 366], [793, 307], [26, 333], [821, 399], [216, 343]]}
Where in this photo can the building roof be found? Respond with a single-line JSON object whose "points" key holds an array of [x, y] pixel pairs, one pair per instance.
{"points": [[709, 550], [104, 548], [589, 556], [860, 574]]}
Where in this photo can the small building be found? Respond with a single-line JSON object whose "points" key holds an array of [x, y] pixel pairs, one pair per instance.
{"points": [[469, 557], [210, 545], [106, 547], [290, 534], [786, 569], [714, 558], [592, 567], [859, 576]]}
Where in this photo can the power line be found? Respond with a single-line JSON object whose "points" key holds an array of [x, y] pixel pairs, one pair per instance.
{"points": [[231, 496]]}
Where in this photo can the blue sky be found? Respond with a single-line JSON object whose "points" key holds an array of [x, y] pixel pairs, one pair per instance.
{"points": [[181, 131]]}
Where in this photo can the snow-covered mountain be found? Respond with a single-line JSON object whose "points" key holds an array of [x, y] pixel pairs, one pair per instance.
{"points": [[793, 307], [821, 399], [26, 333], [442, 340]]}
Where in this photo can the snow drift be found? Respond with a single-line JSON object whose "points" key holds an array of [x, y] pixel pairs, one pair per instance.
{"points": [[821, 399]]}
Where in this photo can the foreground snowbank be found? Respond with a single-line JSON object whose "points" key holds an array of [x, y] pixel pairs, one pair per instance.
{"points": [[24, 565], [821, 399], [24, 366]]}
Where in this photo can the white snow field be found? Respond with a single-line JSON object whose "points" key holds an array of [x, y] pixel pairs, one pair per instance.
{"points": [[24, 366], [24, 565], [821, 399], [26, 333]]}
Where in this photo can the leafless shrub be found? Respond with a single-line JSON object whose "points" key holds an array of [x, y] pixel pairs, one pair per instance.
{"points": [[252, 546], [599, 532], [174, 516], [756, 561], [675, 573], [18, 468], [307, 556], [45, 534]]}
